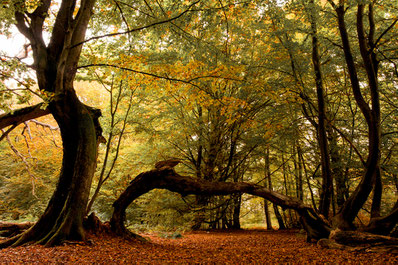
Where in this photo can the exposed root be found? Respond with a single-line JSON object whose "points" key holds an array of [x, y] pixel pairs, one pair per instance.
{"points": [[12, 229], [360, 241]]}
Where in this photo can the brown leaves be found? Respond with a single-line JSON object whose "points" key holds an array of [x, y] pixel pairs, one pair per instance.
{"points": [[238, 247]]}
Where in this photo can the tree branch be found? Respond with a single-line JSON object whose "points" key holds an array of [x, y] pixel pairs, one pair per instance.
{"points": [[19, 116], [139, 28], [384, 33]]}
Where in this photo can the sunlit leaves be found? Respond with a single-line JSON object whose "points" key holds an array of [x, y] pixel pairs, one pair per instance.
{"points": [[15, 83], [28, 169]]}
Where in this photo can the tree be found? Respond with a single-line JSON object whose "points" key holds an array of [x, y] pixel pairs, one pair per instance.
{"points": [[55, 65], [371, 178]]}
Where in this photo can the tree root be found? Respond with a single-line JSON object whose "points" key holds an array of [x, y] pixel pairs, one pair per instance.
{"points": [[12, 229], [360, 241]]}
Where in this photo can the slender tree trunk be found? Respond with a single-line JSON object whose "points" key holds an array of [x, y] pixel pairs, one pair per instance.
{"points": [[267, 175], [327, 181], [267, 213], [337, 170], [299, 181], [277, 213], [102, 177], [287, 218]]}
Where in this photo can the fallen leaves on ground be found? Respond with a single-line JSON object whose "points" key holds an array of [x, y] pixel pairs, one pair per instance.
{"points": [[216, 247]]}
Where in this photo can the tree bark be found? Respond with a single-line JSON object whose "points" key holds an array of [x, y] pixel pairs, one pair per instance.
{"points": [[236, 211], [267, 184], [12, 229], [278, 215], [383, 225], [360, 241], [267, 215]]}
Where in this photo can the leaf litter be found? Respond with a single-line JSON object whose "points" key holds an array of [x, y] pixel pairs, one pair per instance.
{"points": [[203, 247]]}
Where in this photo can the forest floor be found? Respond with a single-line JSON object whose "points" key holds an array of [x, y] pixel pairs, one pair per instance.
{"points": [[215, 247]]}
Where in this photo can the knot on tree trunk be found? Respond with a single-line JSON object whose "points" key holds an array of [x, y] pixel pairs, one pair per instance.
{"points": [[96, 114], [167, 163]]}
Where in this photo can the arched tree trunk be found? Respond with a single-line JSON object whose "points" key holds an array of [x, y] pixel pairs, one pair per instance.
{"points": [[315, 225], [167, 178]]}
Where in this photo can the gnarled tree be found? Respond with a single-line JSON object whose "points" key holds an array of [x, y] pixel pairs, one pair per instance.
{"points": [[55, 65], [167, 178]]}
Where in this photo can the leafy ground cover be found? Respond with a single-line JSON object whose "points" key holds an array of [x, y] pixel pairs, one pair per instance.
{"points": [[220, 247]]}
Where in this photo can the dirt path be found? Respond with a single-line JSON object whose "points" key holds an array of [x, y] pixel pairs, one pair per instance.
{"points": [[237, 247]]}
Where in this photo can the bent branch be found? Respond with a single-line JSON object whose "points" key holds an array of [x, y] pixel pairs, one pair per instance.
{"points": [[167, 178], [21, 115]]}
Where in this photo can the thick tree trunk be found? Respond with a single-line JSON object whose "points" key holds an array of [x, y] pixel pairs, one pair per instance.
{"points": [[167, 178], [63, 218], [55, 64]]}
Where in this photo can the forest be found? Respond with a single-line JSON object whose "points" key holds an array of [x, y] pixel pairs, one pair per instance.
{"points": [[199, 121]]}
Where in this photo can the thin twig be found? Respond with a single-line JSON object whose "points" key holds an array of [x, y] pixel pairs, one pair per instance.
{"points": [[137, 29]]}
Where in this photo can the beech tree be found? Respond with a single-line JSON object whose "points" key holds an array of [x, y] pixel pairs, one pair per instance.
{"points": [[55, 64]]}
